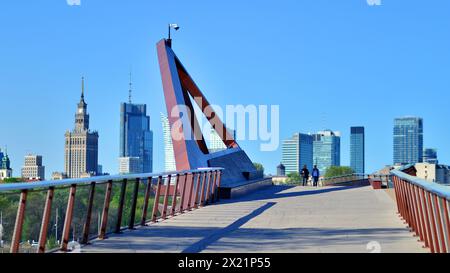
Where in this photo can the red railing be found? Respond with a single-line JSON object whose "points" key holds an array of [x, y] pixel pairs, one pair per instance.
{"points": [[424, 206], [187, 190]]}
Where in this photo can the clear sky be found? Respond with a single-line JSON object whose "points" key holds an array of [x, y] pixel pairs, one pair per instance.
{"points": [[328, 64]]}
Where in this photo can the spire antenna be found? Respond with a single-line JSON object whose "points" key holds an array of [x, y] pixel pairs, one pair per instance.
{"points": [[82, 88], [130, 89]]}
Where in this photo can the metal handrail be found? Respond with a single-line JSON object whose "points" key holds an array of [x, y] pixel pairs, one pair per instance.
{"points": [[424, 206], [95, 179], [194, 188]]}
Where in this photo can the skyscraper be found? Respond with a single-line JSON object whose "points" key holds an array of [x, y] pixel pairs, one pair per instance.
{"points": [[136, 138], [430, 156], [408, 140], [297, 152], [81, 147], [326, 150], [357, 149], [33, 168], [169, 156]]}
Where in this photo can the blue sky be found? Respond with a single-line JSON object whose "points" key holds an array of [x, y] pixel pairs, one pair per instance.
{"points": [[328, 64]]}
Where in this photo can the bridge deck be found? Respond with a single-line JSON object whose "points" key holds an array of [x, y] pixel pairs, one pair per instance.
{"points": [[279, 219]]}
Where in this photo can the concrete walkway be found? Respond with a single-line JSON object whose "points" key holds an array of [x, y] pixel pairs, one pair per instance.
{"points": [[278, 219]]}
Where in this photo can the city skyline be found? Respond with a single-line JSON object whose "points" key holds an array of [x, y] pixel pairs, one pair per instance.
{"points": [[347, 70]]}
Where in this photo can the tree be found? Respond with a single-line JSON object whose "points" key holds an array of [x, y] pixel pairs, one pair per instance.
{"points": [[293, 177], [259, 166], [334, 171]]}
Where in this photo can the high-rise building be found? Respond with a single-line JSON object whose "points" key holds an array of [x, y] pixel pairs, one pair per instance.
{"points": [[216, 143], [5, 166], [430, 156], [81, 147], [297, 152], [408, 140], [326, 150], [136, 138], [169, 156], [357, 149], [33, 168]]}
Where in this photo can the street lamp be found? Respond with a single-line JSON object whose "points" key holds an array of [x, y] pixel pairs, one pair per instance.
{"points": [[176, 28]]}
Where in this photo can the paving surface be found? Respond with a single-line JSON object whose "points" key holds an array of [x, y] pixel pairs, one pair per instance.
{"points": [[278, 219]]}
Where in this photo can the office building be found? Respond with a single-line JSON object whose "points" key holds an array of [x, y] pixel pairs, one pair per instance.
{"points": [[169, 156], [33, 168], [357, 149], [326, 150], [81, 146], [408, 140], [430, 156], [435, 173], [130, 165], [136, 138], [297, 151]]}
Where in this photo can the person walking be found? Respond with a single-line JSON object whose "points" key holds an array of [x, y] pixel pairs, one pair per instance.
{"points": [[315, 176], [305, 175]]}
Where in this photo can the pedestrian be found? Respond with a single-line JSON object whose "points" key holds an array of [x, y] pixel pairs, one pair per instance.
{"points": [[305, 175], [315, 175]]}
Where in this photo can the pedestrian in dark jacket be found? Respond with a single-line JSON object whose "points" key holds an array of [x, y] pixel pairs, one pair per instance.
{"points": [[305, 175], [315, 176]]}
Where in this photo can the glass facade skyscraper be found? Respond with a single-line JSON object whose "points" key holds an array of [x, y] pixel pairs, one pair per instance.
{"points": [[136, 138], [430, 156], [408, 140], [297, 152], [357, 149], [169, 156], [326, 150]]}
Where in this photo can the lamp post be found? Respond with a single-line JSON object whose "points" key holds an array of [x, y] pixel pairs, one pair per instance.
{"points": [[176, 28]]}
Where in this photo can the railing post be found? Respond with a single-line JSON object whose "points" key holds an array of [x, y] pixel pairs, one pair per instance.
{"points": [[219, 181], [69, 218], [123, 192], [166, 198], [191, 190], [427, 220], [175, 195], [202, 195], [104, 223], [157, 197], [447, 222], [148, 191], [18, 227], [183, 192], [87, 222], [422, 217], [45, 220], [439, 223], [196, 191], [413, 209], [208, 188], [433, 224], [134, 203], [213, 186], [419, 213]]}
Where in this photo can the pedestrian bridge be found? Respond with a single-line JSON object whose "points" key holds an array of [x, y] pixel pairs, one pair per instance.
{"points": [[341, 217], [278, 219]]}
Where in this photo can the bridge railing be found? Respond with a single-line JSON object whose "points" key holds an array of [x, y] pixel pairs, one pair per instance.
{"points": [[424, 206], [349, 178], [39, 216]]}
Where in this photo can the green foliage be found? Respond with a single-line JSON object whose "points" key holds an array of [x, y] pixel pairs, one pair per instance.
{"points": [[12, 180], [293, 177], [334, 171], [259, 166]]}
